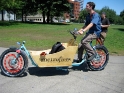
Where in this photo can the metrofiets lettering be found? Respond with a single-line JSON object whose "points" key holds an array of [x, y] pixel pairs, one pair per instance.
{"points": [[60, 59]]}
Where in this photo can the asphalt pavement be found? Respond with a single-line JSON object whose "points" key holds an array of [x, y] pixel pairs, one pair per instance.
{"points": [[76, 80]]}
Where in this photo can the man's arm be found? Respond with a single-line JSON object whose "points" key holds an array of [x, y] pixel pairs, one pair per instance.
{"points": [[83, 28], [94, 21], [105, 26], [81, 31], [85, 25]]}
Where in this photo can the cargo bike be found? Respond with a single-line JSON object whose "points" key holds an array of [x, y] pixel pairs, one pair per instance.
{"points": [[14, 61]]}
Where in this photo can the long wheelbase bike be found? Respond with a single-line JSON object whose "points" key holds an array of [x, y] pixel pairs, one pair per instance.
{"points": [[14, 61]]}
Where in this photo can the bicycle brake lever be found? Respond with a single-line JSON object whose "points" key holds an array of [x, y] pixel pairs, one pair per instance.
{"points": [[18, 43]]}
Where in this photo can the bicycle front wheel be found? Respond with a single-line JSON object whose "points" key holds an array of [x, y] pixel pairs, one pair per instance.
{"points": [[101, 59], [11, 65]]}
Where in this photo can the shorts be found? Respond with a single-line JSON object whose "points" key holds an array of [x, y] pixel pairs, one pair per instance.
{"points": [[103, 35]]}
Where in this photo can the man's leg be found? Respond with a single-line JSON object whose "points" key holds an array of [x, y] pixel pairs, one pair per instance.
{"points": [[86, 45], [81, 49], [80, 52], [103, 36]]}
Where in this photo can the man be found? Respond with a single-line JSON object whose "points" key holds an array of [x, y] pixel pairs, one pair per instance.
{"points": [[93, 24], [104, 24]]}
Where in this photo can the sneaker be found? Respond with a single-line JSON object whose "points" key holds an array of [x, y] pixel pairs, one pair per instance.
{"points": [[91, 57]]}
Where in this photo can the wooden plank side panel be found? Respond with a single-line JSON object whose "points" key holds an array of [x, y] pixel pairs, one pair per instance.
{"points": [[62, 58]]}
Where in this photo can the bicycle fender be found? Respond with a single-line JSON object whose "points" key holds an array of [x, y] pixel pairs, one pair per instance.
{"points": [[13, 48], [103, 47], [18, 50]]}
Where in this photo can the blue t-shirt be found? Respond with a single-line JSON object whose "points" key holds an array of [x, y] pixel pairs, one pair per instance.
{"points": [[96, 20]]}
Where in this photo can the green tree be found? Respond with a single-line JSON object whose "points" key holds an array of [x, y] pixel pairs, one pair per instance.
{"points": [[15, 5], [82, 15], [10, 5], [110, 13], [122, 15], [98, 11], [118, 20], [52, 7], [3, 5], [29, 8], [60, 7]]}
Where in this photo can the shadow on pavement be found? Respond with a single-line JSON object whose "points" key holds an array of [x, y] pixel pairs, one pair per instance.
{"points": [[22, 75], [50, 71], [84, 67]]}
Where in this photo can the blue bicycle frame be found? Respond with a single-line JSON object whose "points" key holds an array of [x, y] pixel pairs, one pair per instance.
{"points": [[22, 47], [85, 58]]}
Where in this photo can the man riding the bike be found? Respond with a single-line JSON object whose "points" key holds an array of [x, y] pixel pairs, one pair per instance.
{"points": [[93, 24]]}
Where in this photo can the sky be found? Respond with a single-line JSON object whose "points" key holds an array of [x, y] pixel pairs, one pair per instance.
{"points": [[116, 5]]}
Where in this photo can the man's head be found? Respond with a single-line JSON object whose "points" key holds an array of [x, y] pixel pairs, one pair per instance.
{"points": [[103, 15], [90, 6]]}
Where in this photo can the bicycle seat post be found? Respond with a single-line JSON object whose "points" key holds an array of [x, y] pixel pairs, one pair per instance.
{"points": [[99, 41]]}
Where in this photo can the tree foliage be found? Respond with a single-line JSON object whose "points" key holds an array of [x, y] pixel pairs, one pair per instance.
{"points": [[10, 5], [48, 8], [82, 15], [51, 8], [110, 14], [122, 15]]}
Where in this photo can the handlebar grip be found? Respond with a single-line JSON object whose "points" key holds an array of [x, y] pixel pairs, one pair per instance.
{"points": [[76, 33], [18, 43], [23, 42], [73, 34]]}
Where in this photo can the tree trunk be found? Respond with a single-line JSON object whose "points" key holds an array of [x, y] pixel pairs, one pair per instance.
{"points": [[43, 14], [48, 17], [9, 15], [25, 17], [14, 14], [22, 16], [14, 17], [2, 15], [51, 17]]}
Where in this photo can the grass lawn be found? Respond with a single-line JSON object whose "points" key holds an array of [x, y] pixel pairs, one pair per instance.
{"points": [[43, 36]]}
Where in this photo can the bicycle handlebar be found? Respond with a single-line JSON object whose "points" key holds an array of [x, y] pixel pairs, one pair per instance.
{"points": [[72, 33]]}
